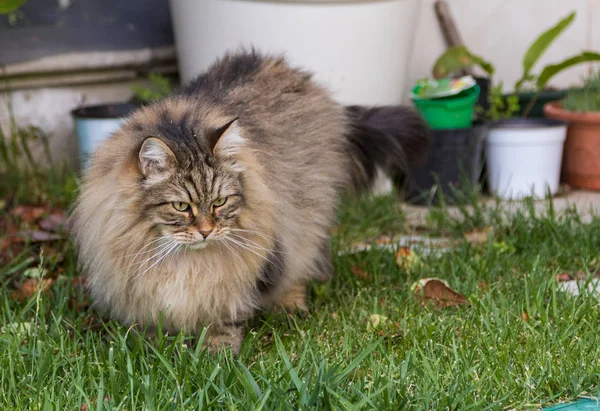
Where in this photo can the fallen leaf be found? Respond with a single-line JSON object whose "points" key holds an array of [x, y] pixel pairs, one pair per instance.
{"points": [[376, 321], [360, 273], [52, 255], [29, 288], [579, 275], [483, 286], [38, 236], [28, 214], [525, 317], [93, 400], [20, 329], [55, 222], [78, 281], [479, 235], [438, 292], [383, 240], [33, 272], [406, 258]]}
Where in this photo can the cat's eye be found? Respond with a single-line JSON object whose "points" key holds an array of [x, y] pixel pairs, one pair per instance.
{"points": [[180, 206], [219, 201]]}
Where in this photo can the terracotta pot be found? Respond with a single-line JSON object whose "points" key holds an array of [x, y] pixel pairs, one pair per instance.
{"points": [[581, 159]]}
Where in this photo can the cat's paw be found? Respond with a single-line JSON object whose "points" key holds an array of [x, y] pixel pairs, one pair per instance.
{"points": [[293, 300], [225, 338]]}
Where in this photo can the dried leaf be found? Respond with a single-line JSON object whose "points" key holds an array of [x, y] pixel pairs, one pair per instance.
{"points": [[28, 214], [29, 288], [383, 240], [55, 222], [438, 292], [376, 322], [38, 236], [360, 273], [20, 329], [33, 272], [579, 276], [525, 317], [483, 286], [93, 400], [478, 235], [406, 258]]}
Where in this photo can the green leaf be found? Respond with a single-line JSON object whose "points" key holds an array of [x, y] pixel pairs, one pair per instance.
{"points": [[8, 6], [459, 58], [539, 46], [553, 69]]}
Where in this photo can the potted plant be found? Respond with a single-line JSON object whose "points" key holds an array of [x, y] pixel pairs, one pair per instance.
{"points": [[95, 123], [581, 109], [359, 49], [454, 159], [522, 155]]}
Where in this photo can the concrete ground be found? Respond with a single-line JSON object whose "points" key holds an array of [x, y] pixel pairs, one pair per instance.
{"points": [[586, 202]]}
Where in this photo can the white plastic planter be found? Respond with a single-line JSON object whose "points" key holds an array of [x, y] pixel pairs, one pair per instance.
{"points": [[524, 157], [359, 49]]}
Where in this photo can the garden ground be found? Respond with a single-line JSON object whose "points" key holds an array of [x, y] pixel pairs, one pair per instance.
{"points": [[506, 334]]}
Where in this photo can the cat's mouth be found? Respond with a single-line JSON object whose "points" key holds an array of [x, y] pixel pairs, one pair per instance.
{"points": [[199, 245]]}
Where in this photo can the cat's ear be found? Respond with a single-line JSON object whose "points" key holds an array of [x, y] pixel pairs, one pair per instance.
{"points": [[226, 140], [156, 158]]}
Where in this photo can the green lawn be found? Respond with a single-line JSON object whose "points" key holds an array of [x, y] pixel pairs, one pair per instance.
{"points": [[520, 343]]}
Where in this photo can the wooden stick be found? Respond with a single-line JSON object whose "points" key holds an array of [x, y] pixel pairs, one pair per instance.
{"points": [[449, 29], [451, 33]]}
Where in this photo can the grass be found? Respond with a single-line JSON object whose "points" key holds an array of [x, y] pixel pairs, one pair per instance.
{"points": [[521, 343]]}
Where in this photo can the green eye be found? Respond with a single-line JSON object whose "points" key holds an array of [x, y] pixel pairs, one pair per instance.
{"points": [[219, 202], [180, 206]]}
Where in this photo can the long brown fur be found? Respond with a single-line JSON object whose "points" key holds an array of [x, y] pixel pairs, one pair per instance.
{"points": [[287, 153]]}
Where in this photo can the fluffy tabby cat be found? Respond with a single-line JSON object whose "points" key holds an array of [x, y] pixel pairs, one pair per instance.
{"points": [[217, 201]]}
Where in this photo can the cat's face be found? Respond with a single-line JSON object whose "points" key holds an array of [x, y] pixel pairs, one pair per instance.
{"points": [[195, 205]]}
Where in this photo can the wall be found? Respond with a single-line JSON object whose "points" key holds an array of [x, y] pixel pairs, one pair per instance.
{"points": [[501, 31]]}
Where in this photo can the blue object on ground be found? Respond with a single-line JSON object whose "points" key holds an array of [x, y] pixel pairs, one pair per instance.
{"points": [[94, 124], [583, 404]]}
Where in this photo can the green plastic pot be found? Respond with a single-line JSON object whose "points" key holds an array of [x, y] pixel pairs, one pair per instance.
{"points": [[448, 112]]}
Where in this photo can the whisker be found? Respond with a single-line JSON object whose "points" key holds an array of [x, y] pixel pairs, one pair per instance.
{"points": [[231, 249], [146, 246], [173, 247], [255, 232], [257, 245], [246, 247], [160, 249]]}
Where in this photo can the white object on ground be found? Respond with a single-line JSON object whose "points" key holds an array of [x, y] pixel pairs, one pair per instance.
{"points": [[575, 287]]}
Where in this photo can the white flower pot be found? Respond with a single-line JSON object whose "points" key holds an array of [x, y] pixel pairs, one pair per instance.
{"points": [[359, 49], [524, 157]]}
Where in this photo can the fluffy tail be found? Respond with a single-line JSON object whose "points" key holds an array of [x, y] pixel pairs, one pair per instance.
{"points": [[386, 138]]}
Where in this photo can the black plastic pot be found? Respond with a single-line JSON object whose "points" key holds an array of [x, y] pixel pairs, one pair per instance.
{"points": [[104, 111], [454, 159], [484, 91]]}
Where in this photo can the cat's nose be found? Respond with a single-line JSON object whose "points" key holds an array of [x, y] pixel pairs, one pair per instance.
{"points": [[205, 233], [205, 227]]}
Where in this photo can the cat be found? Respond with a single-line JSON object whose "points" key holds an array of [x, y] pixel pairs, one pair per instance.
{"points": [[218, 200]]}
